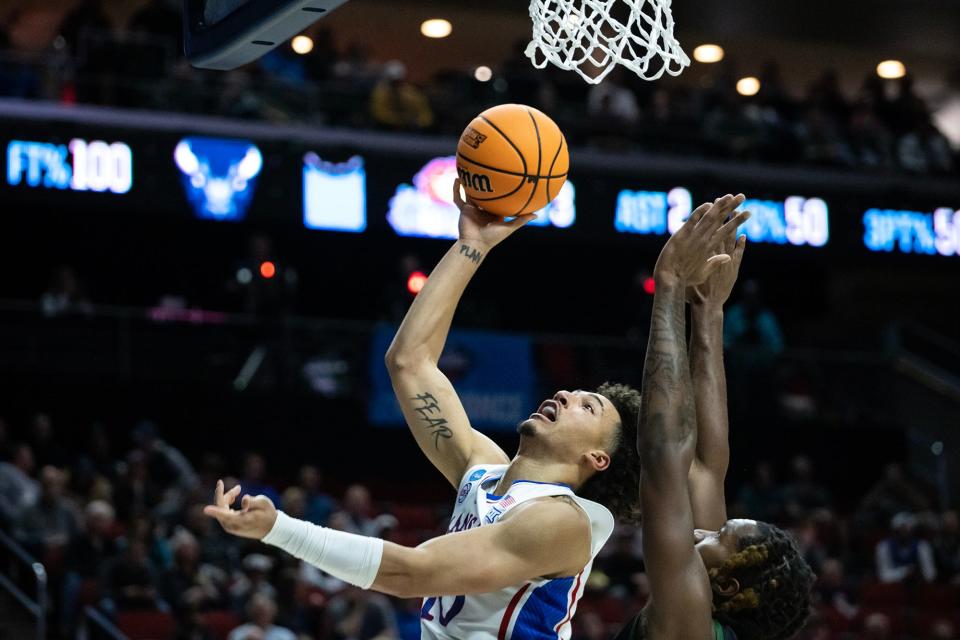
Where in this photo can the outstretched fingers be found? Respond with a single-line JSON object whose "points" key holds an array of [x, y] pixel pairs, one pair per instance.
{"points": [[458, 195], [699, 212], [730, 227], [738, 249]]}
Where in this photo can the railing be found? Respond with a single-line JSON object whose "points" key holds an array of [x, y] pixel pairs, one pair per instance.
{"points": [[36, 608], [96, 626]]}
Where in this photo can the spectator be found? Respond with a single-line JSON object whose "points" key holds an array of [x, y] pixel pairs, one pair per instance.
{"points": [[876, 626], [891, 495], [319, 504], [822, 139], [946, 547], [751, 334], [97, 542], [168, 466], [834, 590], [728, 132], [761, 498], [94, 549], [623, 564], [356, 614], [48, 451], [942, 630], [613, 109], [130, 581], [142, 528], [96, 462], [136, 492], [398, 104], [357, 512], [355, 64], [65, 295], [189, 586], [825, 95], [252, 483], [803, 495], [261, 611], [870, 142], [51, 523], [216, 547], [18, 490], [908, 111], [904, 557], [808, 538], [254, 580], [590, 627], [925, 150], [751, 329], [294, 502]]}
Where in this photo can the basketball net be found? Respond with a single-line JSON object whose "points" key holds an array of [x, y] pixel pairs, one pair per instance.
{"points": [[584, 36]]}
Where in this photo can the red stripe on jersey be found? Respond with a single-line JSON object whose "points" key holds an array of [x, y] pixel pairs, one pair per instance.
{"points": [[505, 624], [573, 600]]}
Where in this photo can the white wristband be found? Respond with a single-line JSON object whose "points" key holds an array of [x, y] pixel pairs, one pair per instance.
{"points": [[349, 557]]}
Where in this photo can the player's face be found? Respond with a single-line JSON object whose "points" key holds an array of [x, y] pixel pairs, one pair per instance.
{"points": [[716, 546], [574, 424]]}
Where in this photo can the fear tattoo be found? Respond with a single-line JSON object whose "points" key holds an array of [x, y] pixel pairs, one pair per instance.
{"points": [[426, 405], [471, 253]]}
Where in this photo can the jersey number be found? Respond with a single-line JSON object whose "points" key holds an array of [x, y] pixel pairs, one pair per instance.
{"points": [[445, 618]]}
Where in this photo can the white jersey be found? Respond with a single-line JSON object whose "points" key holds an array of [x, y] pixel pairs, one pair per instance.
{"points": [[536, 609]]}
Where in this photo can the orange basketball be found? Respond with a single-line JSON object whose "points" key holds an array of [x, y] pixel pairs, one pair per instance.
{"points": [[512, 159]]}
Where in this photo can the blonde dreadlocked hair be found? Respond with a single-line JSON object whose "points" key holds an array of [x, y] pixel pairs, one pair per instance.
{"points": [[774, 598]]}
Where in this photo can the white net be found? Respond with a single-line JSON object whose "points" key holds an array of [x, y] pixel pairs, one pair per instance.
{"points": [[592, 37]]}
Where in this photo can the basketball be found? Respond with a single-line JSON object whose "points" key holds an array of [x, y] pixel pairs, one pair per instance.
{"points": [[512, 159]]}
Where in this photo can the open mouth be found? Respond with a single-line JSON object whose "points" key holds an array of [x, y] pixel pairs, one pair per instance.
{"points": [[548, 410]]}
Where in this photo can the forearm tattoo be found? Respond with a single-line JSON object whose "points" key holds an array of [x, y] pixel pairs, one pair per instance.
{"points": [[430, 413], [667, 412], [471, 254]]}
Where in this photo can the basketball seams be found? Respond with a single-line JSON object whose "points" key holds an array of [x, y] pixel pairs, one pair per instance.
{"points": [[464, 156], [536, 179], [552, 163], [509, 141]]}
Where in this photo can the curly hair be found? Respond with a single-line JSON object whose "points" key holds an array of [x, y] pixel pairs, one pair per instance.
{"points": [[618, 487], [775, 581]]}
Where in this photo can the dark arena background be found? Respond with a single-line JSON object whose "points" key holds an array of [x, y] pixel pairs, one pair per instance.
{"points": [[202, 270]]}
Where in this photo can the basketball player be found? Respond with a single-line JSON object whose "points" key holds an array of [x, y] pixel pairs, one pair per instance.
{"points": [[737, 579], [521, 543]]}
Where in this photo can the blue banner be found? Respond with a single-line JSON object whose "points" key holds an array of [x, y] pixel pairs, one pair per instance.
{"points": [[493, 374]]}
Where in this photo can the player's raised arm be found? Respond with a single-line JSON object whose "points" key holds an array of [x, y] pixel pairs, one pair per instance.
{"points": [[429, 403], [712, 458], [681, 601]]}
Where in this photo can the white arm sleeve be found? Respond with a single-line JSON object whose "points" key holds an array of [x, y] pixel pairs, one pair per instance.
{"points": [[349, 557]]}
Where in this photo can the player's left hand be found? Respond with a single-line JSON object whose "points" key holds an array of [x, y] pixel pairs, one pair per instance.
{"points": [[477, 227], [254, 520], [716, 289]]}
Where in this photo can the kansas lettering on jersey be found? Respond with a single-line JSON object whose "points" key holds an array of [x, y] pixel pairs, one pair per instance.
{"points": [[533, 610]]}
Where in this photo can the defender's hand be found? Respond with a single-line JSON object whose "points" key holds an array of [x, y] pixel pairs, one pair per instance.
{"points": [[254, 520], [688, 257], [716, 289], [483, 229]]}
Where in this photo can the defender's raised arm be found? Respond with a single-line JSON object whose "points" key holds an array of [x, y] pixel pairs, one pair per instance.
{"points": [[709, 469], [667, 435]]}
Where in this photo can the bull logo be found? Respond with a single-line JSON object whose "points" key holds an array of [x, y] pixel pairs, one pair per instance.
{"points": [[219, 176]]}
